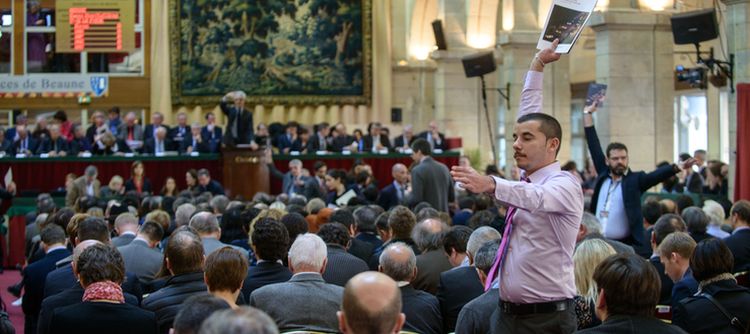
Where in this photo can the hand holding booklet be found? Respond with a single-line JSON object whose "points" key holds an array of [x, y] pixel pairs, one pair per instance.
{"points": [[565, 21]]}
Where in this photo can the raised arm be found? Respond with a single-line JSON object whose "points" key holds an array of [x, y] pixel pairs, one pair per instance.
{"points": [[560, 194], [531, 95]]}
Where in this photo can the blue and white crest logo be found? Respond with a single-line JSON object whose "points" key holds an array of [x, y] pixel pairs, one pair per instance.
{"points": [[99, 85]]}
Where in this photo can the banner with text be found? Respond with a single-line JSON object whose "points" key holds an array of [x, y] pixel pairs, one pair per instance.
{"points": [[69, 85]]}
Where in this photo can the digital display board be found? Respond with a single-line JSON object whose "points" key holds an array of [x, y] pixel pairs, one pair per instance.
{"points": [[102, 26]]}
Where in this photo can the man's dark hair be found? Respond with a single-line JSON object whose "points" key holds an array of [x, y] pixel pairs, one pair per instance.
{"points": [[334, 233], [184, 252], [344, 217], [152, 230], [421, 145], [684, 156], [457, 238], [61, 217], [52, 234], [427, 213], [616, 146], [292, 124], [483, 202], [99, 263], [666, 225], [365, 218], [683, 202], [695, 219], [232, 225], [295, 224], [742, 210], [194, 311], [711, 258], [651, 211], [318, 165], [481, 218], [270, 240], [401, 221], [420, 206], [466, 203], [204, 172], [548, 125], [382, 222], [295, 208], [93, 228], [631, 285]]}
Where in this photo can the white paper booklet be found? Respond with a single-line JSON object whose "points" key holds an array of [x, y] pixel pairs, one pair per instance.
{"points": [[565, 21], [8, 177]]}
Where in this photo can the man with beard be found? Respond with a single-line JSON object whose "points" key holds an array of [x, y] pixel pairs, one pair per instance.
{"points": [[617, 193]]}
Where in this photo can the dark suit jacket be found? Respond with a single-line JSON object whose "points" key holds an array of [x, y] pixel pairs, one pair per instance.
{"points": [[31, 145], [361, 249], [78, 145], [67, 297], [6, 146], [699, 315], [422, 311], [244, 120], [342, 266], [694, 183], [739, 244], [371, 238], [262, 274], [122, 240], [34, 276], [167, 301], [338, 143], [212, 138], [384, 141], [633, 185], [213, 187], [665, 297], [440, 146], [178, 134], [388, 197], [150, 145], [203, 147], [48, 145], [103, 317], [299, 146], [684, 288], [141, 260], [310, 188], [283, 141], [399, 141], [475, 316], [430, 265], [625, 324], [146, 187], [62, 278], [431, 182], [313, 145], [457, 287], [314, 308], [148, 131]]}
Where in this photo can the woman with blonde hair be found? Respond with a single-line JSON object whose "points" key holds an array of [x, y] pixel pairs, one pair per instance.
{"points": [[588, 255]]}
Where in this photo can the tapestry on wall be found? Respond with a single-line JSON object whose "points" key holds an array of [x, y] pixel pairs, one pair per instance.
{"points": [[279, 52]]}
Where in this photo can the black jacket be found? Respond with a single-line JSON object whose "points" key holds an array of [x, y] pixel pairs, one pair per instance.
{"points": [[166, 302], [342, 266], [665, 297], [244, 120], [146, 187], [68, 297], [34, 276], [62, 278], [739, 244], [213, 186], [48, 145], [699, 315], [103, 317], [422, 311], [626, 324], [633, 185], [263, 274], [457, 287]]}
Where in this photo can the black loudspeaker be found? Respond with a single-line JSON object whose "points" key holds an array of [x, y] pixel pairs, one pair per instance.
{"points": [[479, 64], [694, 27], [395, 115], [437, 28]]}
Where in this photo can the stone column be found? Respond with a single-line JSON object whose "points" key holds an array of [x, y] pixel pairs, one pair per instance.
{"points": [[737, 18], [634, 58]]}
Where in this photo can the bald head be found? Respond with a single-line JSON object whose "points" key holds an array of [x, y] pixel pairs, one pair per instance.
{"points": [[371, 304], [400, 173], [429, 234], [399, 262]]}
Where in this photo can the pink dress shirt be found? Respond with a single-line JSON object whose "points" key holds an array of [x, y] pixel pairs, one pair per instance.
{"points": [[538, 265]]}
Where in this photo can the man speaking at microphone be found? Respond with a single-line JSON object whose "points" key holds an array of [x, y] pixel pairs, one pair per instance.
{"points": [[534, 264]]}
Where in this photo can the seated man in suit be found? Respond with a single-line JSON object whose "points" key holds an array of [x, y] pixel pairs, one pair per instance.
{"points": [[739, 241], [341, 266], [459, 285], [184, 260], [375, 141], [675, 252], [269, 241], [34, 275], [181, 130], [157, 121], [211, 133], [130, 132], [395, 193], [372, 304], [433, 136], [140, 255], [205, 184], [422, 309], [159, 143], [55, 145], [126, 227], [319, 140], [86, 185], [474, 317], [207, 227], [429, 235], [620, 305], [312, 303], [293, 182], [24, 144], [194, 142], [665, 226], [284, 141], [403, 142]]}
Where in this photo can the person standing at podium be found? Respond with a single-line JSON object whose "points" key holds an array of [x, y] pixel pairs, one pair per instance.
{"points": [[239, 128]]}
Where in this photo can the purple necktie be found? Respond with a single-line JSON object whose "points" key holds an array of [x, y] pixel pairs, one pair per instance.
{"points": [[502, 250]]}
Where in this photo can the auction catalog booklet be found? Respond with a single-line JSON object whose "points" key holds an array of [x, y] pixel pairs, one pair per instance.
{"points": [[565, 21]]}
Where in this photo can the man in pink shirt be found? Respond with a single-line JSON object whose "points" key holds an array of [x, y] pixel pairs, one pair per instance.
{"points": [[534, 266]]}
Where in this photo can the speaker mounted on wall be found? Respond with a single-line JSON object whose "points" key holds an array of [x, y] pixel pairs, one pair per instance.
{"points": [[479, 64], [694, 27], [437, 29]]}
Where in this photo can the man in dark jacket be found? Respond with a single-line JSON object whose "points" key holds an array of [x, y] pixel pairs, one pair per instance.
{"points": [[617, 192], [270, 241], [184, 258], [239, 128]]}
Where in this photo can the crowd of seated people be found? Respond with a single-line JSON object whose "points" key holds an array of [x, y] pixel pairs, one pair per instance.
{"points": [[112, 134], [171, 258]]}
